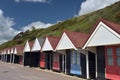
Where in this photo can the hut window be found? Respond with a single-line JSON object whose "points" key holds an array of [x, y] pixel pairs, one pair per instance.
{"points": [[75, 56], [78, 58], [118, 56], [110, 56]]}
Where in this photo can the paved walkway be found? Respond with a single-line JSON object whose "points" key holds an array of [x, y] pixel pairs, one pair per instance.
{"points": [[18, 72]]}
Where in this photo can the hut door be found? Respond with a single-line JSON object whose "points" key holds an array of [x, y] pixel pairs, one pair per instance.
{"points": [[110, 63], [118, 62], [92, 67], [56, 61], [75, 63], [42, 60], [63, 63]]}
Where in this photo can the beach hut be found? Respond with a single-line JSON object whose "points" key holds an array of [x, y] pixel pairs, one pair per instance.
{"points": [[74, 61], [48, 55], [18, 54], [5, 60], [11, 55], [0, 54], [35, 52], [105, 42], [27, 52], [8, 55], [5, 55]]}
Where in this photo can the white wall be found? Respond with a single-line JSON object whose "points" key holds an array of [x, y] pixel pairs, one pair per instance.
{"points": [[27, 47], [36, 46], [47, 46], [103, 35], [65, 43]]}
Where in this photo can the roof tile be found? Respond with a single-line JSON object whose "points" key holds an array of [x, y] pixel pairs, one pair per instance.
{"points": [[19, 50], [31, 44], [112, 25], [77, 38], [53, 41]]}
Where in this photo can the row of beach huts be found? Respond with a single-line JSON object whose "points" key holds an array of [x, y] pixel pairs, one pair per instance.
{"points": [[91, 56]]}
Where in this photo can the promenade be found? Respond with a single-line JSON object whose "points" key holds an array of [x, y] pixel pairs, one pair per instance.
{"points": [[18, 72]]}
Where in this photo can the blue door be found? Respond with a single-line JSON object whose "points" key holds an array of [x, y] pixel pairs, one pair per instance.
{"points": [[75, 63]]}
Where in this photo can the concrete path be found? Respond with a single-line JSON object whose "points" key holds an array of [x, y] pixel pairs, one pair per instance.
{"points": [[18, 72]]}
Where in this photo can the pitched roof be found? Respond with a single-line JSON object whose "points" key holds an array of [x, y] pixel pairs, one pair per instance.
{"points": [[11, 49], [19, 50], [4, 51], [114, 26], [31, 44], [0, 51], [7, 50], [41, 41], [53, 41], [77, 38], [37, 44]]}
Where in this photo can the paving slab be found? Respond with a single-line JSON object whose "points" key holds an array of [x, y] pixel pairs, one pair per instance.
{"points": [[10, 71]]}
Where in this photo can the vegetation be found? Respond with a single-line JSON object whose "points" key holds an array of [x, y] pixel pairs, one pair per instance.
{"points": [[82, 23]]}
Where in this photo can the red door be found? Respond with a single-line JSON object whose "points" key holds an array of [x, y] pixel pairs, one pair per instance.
{"points": [[56, 64], [112, 54], [42, 60], [20, 59]]}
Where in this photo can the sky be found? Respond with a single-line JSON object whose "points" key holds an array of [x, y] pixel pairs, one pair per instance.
{"points": [[21, 15]]}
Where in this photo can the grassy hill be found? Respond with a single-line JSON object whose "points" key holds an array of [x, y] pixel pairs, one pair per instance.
{"points": [[82, 23]]}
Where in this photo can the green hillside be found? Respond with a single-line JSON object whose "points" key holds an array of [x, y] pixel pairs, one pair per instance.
{"points": [[82, 23]]}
